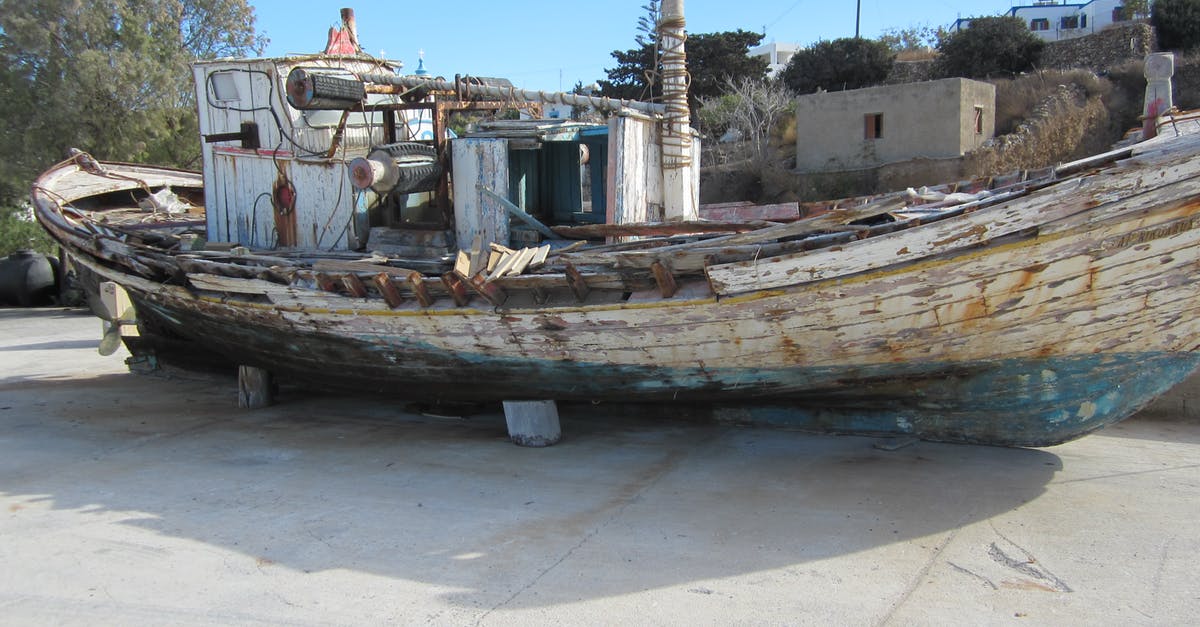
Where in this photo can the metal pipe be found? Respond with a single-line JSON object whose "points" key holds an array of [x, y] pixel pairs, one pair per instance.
{"points": [[492, 92]]}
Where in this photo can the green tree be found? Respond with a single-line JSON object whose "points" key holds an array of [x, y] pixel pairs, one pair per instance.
{"points": [[1135, 9], [19, 230], [913, 38], [991, 46], [1177, 23], [108, 76], [847, 63], [712, 59]]}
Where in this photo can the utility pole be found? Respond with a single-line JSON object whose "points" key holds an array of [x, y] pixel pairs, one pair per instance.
{"points": [[857, 17]]}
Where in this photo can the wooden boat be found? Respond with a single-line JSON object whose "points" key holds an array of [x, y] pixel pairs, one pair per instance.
{"points": [[1027, 314]]}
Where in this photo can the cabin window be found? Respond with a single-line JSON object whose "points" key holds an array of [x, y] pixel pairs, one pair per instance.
{"points": [[1040, 23], [873, 126], [1069, 22], [1082, 21], [224, 86], [979, 120]]}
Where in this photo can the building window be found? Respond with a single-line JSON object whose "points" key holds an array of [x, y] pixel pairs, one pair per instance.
{"points": [[873, 126], [979, 120], [1069, 22], [1040, 23], [1082, 21]]}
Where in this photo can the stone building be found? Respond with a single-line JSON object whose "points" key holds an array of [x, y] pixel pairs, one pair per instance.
{"points": [[864, 128]]}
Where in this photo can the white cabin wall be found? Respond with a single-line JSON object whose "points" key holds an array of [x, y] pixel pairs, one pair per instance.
{"points": [[239, 182], [634, 170], [481, 161]]}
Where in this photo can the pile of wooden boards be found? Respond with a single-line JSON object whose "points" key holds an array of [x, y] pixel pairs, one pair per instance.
{"points": [[498, 261]]}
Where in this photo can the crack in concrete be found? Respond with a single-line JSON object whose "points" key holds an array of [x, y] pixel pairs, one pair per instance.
{"points": [[658, 471], [911, 588]]}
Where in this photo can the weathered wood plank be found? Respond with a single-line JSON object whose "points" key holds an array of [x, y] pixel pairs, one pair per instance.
{"points": [[747, 211], [695, 259], [363, 267], [656, 229], [480, 162], [834, 218], [985, 225], [218, 283]]}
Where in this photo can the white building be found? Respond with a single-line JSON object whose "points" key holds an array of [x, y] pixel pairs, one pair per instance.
{"points": [[1052, 20], [777, 56]]}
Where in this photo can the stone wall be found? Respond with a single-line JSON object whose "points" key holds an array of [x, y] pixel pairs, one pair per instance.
{"points": [[912, 72], [1099, 51]]}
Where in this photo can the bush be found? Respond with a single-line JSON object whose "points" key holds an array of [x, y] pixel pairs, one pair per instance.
{"points": [[19, 230], [1177, 23], [992, 46], [848, 63]]}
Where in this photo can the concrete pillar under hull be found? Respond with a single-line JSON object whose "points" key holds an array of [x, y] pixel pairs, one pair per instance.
{"points": [[532, 423]]}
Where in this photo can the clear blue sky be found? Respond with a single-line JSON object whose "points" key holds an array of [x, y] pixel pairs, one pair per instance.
{"points": [[541, 45]]}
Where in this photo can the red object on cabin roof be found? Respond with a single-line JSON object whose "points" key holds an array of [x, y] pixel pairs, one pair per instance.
{"points": [[340, 42]]}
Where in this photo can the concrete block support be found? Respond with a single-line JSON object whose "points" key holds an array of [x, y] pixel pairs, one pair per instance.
{"points": [[532, 423]]}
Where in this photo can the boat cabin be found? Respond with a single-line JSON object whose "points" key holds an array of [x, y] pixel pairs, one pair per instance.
{"points": [[335, 153]]}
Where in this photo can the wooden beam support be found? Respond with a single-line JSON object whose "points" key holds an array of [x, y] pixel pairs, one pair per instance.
{"points": [[491, 292], [256, 388], [664, 278], [327, 283], [354, 285], [420, 290], [457, 288], [390, 292], [575, 281]]}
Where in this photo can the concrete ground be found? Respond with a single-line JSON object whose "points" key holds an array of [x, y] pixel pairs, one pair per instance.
{"points": [[127, 499]]}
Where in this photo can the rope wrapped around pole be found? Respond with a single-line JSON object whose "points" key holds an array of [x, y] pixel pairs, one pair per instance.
{"points": [[677, 132]]}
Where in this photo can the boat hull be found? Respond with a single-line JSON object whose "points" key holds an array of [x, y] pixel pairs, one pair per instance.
{"points": [[1034, 401], [1031, 320]]}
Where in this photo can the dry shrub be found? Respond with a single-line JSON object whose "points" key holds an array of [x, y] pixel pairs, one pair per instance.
{"points": [[1017, 98], [917, 54]]}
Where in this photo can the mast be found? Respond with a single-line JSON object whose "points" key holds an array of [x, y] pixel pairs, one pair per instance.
{"points": [[680, 191]]}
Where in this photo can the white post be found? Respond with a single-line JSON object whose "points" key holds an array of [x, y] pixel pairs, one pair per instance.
{"points": [[1160, 67]]}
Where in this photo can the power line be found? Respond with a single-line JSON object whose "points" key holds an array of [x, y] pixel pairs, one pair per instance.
{"points": [[782, 15]]}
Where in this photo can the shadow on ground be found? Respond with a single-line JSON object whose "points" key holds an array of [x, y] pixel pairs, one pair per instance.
{"points": [[320, 483]]}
